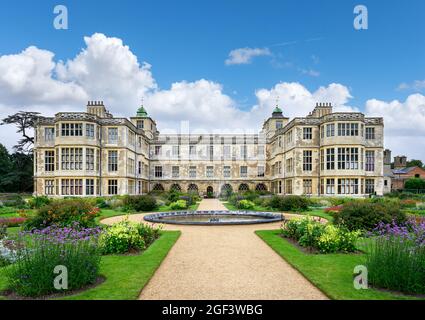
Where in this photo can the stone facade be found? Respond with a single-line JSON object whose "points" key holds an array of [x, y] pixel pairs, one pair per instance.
{"points": [[95, 154]]}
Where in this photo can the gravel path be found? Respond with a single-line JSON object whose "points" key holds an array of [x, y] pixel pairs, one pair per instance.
{"points": [[224, 263]]}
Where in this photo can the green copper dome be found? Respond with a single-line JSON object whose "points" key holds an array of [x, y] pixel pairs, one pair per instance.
{"points": [[277, 110], [141, 112]]}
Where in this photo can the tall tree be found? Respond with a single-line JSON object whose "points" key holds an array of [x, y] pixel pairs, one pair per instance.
{"points": [[6, 166], [415, 163], [22, 172], [24, 121]]}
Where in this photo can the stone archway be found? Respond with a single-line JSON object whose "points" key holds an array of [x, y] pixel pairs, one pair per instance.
{"points": [[210, 192], [158, 187], [261, 187], [175, 187], [192, 188], [243, 187], [226, 189]]}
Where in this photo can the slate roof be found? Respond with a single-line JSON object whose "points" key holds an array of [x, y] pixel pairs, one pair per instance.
{"points": [[403, 170]]}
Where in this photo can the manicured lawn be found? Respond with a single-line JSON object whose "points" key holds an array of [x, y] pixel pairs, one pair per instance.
{"points": [[126, 275], [232, 207], [107, 213], [12, 212], [331, 273], [315, 212]]}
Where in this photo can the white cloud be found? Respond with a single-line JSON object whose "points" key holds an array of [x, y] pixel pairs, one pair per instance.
{"points": [[417, 85], [404, 124], [28, 78], [107, 70], [245, 55], [310, 72], [297, 101]]}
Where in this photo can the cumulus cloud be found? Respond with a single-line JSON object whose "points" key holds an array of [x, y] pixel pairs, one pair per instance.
{"points": [[109, 71], [417, 85], [245, 55], [29, 78], [310, 72], [297, 101], [106, 69], [404, 124]]}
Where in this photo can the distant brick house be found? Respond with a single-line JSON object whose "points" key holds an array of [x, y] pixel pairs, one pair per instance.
{"points": [[400, 175]]}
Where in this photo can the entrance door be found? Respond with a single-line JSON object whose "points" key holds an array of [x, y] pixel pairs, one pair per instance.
{"points": [[210, 192]]}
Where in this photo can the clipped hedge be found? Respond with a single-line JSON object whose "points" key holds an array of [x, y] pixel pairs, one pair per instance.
{"points": [[139, 203], [366, 215], [289, 203]]}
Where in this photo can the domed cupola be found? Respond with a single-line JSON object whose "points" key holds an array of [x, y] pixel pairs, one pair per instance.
{"points": [[141, 112], [277, 112]]}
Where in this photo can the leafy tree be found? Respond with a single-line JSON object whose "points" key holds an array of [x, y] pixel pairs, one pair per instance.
{"points": [[414, 183], [23, 171], [25, 121], [5, 168], [16, 171], [415, 163]]}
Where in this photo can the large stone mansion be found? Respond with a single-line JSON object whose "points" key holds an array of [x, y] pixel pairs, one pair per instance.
{"points": [[93, 153]]}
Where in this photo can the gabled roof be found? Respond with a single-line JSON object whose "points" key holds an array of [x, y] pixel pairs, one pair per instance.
{"points": [[404, 170]]}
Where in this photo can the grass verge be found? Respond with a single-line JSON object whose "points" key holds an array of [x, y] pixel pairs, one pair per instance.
{"points": [[126, 275], [331, 273]]}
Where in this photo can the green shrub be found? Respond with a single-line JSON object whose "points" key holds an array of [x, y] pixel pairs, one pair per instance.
{"points": [[190, 198], [415, 183], [178, 205], [235, 198], [259, 201], [139, 203], [65, 212], [246, 205], [289, 203], [366, 216], [16, 201], [251, 195], [324, 238], [148, 233], [38, 202], [3, 231], [173, 196], [334, 239], [336, 201], [126, 236], [39, 253], [101, 203]]}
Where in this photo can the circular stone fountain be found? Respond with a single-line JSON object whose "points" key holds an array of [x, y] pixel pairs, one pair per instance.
{"points": [[214, 217]]}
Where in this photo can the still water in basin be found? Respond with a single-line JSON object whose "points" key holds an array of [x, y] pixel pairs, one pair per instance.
{"points": [[213, 217]]}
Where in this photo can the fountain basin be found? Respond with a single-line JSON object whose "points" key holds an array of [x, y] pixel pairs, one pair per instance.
{"points": [[213, 217]]}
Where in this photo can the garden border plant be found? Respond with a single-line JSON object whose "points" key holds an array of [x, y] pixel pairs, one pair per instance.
{"points": [[331, 273]]}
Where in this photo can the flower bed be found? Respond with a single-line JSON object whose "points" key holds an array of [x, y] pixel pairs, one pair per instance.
{"points": [[318, 236], [12, 222], [396, 257], [36, 254], [127, 237]]}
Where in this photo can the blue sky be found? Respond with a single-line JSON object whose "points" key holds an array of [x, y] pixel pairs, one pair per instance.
{"points": [[188, 40], [312, 43]]}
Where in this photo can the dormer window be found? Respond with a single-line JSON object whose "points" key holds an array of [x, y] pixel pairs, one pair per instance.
{"points": [[279, 124]]}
